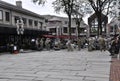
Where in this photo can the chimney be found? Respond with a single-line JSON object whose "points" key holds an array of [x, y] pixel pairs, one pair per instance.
{"points": [[19, 4]]}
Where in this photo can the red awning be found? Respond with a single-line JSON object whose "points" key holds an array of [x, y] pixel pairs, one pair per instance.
{"points": [[49, 36], [60, 36]]}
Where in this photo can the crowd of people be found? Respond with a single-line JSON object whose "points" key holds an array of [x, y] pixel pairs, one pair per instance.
{"points": [[102, 43]]}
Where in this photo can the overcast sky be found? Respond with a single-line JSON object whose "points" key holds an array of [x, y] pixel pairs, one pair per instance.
{"points": [[42, 10]]}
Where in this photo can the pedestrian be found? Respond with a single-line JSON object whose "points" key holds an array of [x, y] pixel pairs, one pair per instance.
{"points": [[115, 46], [68, 44], [41, 43], [47, 43], [102, 43], [79, 44], [91, 44], [118, 56]]}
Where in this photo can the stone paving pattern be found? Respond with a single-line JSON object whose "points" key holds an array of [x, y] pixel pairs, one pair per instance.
{"points": [[115, 70], [55, 66]]}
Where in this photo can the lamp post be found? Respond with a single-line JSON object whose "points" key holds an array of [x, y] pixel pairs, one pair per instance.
{"points": [[115, 30], [20, 30], [85, 31]]}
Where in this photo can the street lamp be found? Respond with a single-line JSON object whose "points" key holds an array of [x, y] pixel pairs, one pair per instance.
{"points": [[20, 30], [85, 31]]}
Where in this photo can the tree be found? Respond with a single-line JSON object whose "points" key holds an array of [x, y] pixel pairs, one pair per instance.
{"points": [[79, 12], [62, 5], [67, 7], [100, 7], [39, 1]]}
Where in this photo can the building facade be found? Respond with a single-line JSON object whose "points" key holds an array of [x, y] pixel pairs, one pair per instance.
{"points": [[116, 4], [59, 26], [9, 15], [93, 25], [114, 25]]}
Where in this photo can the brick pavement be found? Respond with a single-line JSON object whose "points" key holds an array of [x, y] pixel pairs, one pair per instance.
{"points": [[115, 70]]}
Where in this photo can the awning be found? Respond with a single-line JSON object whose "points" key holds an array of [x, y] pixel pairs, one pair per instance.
{"points": [[49, 36], [60, 36], [9, 29]]}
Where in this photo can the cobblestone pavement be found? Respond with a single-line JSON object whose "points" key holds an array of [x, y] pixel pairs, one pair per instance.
{"points": [[55, 66], [115, 70]]}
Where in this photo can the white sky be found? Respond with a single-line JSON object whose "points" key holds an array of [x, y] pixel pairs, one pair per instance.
{"points": [[42, 10]]}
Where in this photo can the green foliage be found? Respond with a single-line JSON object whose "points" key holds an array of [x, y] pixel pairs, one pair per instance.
{"points": [[39, 1]]}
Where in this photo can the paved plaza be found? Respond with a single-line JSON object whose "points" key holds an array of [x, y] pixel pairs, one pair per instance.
{"points": [[56, 66]]}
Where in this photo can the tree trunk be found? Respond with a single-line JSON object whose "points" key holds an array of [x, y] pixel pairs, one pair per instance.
{"points": [[69, 26], [78, 27], [99, 24]]}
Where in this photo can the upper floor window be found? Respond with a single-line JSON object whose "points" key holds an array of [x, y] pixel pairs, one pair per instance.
{"points": [[41, 25], [30, 22], [53, 30], [65, 29], [1, 15], [24, 21], [73, 30], [66, 22], [7, 16], [36, 23], [16, 18]]}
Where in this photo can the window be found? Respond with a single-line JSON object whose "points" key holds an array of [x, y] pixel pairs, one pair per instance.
{"points": [[41, 25], [119, 13], [65, 29], [73, 30], [53, 30], [30, 22], [35, 23], [24, 21], [1, 15], [66, 22], [16, 18], [7, 16], [111, 29]]}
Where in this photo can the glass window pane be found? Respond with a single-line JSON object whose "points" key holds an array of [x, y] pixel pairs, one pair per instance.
{"points": [[1, 15]]}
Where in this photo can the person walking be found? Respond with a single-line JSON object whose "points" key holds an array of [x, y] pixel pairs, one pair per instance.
{"points": [[79, 44], [69, 47], [115, 46], [102, 43], [41, 43], [47, 43]]}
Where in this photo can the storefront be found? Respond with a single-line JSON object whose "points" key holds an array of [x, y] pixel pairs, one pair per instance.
{"points": [[8, 36]]}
